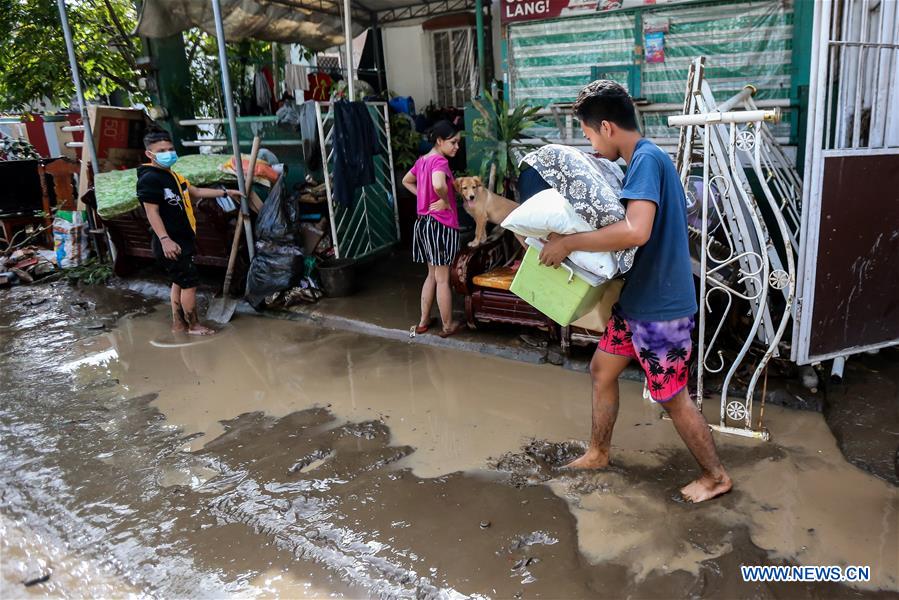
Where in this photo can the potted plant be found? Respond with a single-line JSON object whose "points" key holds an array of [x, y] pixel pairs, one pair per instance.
{"points": [[404, 141], [498, 132]]}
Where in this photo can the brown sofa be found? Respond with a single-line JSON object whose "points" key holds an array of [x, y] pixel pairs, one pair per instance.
{"points": [[483, 275]]}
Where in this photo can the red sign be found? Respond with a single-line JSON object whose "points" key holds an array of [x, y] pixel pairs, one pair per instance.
{"points": [[532, 10], [528, 10]]}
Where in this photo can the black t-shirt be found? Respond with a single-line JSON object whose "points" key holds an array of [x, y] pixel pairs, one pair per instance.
{"points": [[168, 190]]}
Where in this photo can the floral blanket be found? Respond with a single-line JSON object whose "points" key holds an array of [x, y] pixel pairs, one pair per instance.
{"points": [[116, 191], [592, 186]]}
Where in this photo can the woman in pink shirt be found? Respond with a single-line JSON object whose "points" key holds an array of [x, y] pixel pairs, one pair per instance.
{"points": [[436, 238]]}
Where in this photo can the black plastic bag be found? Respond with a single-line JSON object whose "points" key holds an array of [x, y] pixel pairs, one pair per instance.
{"points": [[279, 263], [274, 269], [278, 221]]}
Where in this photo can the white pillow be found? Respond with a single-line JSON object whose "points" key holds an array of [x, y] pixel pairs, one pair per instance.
{"points": [[549, 212]]}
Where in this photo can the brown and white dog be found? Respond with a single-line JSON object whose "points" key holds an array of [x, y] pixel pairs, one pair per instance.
{"points": [[483, 206]]}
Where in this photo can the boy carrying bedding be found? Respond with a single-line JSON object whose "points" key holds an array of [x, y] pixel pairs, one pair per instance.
{"points": [[654, 318]]}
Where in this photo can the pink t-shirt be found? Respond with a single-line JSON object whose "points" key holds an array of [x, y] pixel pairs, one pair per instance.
{"points": [[424, 167]]}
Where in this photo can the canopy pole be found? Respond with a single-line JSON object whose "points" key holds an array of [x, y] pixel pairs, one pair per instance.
{"points": [[348, 35], [88, 130], [76, 79], [482, 64], [275, 83], [232, 125]]}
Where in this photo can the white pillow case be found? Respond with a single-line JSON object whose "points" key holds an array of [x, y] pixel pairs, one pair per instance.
{"points": [[549, 212]]}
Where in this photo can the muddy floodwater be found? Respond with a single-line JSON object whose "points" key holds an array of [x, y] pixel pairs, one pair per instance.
{"points": [[278, 459]]}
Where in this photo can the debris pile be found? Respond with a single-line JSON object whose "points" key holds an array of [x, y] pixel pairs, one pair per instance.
{"points": [[26, 265]]}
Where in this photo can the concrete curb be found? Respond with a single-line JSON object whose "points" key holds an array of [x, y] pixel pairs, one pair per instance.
{"points": [[312, 316]]}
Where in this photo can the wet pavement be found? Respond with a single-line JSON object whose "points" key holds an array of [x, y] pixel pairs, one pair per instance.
{"points": [[283, 459], [863, 412]]}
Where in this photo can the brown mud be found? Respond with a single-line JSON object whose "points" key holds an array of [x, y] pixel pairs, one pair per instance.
{"points": [[863, 412], [278, 459]]}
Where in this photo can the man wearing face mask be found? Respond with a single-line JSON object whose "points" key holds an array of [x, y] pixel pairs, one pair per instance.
{"points": [[166, 198]]}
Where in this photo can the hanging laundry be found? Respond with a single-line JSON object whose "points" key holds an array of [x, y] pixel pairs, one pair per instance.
{"points": [[295, 78], [308, 127], [263, 93], [319, 86], [355, 144]]}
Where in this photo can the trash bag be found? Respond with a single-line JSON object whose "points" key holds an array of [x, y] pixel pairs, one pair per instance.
{"points": [[288, 114], [278, 264], [278, 221], [274, 269]]}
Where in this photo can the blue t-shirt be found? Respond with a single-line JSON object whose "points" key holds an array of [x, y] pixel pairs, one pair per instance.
{"points": [[659, 287]]}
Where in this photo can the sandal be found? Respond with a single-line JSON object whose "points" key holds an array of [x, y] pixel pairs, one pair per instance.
{"points": [[419, 329]]}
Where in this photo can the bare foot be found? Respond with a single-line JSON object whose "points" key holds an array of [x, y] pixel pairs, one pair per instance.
{"points": [[591, 459], [706, 488], [450, 330], [179, 328], [200, 330]]}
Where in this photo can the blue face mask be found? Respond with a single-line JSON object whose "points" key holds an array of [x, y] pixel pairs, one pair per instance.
{"points": [[166, 159]]}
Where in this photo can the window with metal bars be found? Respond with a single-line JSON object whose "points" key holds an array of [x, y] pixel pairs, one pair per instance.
{"points": [[455, 66]]}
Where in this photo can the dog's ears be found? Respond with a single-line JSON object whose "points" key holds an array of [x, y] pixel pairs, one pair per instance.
{"points": [[457, 185], [478, 180]]}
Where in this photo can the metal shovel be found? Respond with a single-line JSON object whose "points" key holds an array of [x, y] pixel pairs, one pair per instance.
{"points": [[222, 309]]}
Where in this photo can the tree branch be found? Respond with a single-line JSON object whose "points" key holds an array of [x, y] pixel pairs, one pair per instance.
{"points": [[126, 39], [192, 53], [126, 85]]}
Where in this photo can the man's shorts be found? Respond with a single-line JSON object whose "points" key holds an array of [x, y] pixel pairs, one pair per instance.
{"points": [[662, 348]]}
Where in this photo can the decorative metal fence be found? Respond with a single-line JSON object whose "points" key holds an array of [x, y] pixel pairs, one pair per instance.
{"points": [[371, 223]]}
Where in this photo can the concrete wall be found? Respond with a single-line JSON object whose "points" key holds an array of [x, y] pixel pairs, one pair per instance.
{"points": [[408, 61]]}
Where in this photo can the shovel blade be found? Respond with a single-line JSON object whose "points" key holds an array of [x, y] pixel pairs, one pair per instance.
{"points": [[221, 310]]}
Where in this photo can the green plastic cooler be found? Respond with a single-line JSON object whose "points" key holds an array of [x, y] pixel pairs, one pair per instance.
{"points": [[564, 295]]}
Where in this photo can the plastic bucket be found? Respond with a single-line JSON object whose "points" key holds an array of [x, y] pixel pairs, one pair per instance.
{"points": [[338, 277]]}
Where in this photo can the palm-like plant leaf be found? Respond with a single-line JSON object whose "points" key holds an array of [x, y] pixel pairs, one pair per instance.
{"points": [[500, 130]]}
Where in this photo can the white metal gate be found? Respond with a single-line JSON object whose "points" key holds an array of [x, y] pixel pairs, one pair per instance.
{"points": [[848, 279]]}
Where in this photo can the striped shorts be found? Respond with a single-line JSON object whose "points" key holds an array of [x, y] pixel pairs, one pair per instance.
{"points": [[433, 242]]}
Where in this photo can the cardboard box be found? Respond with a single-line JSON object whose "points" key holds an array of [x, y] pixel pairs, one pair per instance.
{"points": [[118, 140]]}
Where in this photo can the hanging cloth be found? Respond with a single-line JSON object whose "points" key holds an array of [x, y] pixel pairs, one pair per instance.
{"points": [[295, 78], [355, 144], [263, 93], [308, 126], [319, 86]]}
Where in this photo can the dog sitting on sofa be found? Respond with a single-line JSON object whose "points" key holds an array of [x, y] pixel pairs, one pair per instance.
{"points": [[483, 206]]}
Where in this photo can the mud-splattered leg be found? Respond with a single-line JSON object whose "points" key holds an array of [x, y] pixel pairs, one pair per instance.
{"points": [[604, 371], [428, 293], [189, 306], [179, 324], [694, 430]]}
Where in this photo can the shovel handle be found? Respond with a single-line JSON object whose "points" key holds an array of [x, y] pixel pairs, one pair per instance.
{"points": [[235, 242], [251, 164], [238, 229]]}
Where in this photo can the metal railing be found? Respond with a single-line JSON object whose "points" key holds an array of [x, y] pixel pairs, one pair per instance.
{"points": [[739, 261]]}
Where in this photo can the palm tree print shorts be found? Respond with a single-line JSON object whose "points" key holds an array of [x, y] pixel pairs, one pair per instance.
{"points": [[662, 348]]}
